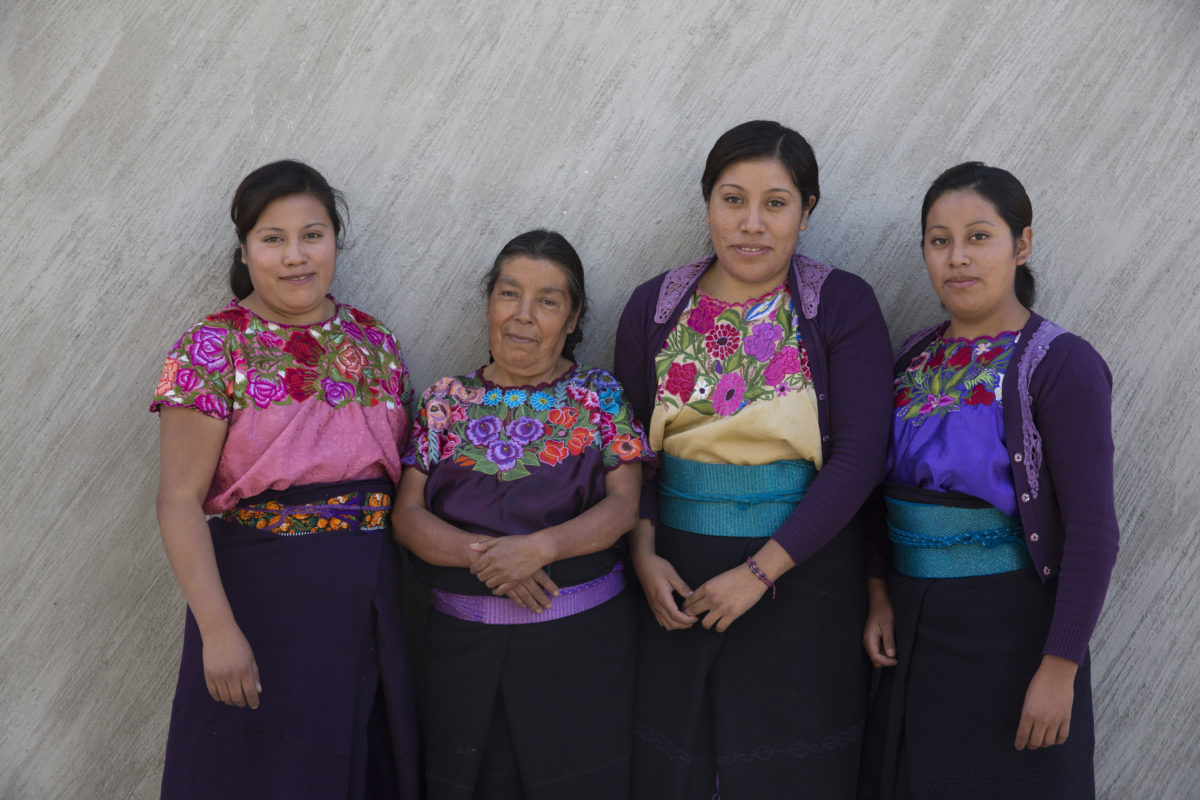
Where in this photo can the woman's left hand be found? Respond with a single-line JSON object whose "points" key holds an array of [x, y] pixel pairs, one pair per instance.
{"points": [[1046, 715], [506, 561], [725, 597]]}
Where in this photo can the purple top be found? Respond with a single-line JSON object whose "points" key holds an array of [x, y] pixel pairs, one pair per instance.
{"points": [[948, 426], [510, 460], [847, 343], [1059, 438]]}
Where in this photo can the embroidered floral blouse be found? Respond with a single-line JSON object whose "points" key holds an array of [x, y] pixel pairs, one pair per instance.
{"points": [[734, 384], [948, 428], [305, 404], [506, 460]]}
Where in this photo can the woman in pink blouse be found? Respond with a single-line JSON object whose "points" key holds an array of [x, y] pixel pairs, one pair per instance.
{"points": [[282, 418]]}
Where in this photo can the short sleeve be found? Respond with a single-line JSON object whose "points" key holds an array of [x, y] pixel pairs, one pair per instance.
{"points": [[621, 435], [198, 372]]}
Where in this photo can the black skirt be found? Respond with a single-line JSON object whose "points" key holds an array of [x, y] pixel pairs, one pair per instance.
{"points": [[539, 711], [944, 720], [773, 707]]}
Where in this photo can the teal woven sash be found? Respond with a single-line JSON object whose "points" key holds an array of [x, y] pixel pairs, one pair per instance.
{"points": [[936, 541], [730, 499]]}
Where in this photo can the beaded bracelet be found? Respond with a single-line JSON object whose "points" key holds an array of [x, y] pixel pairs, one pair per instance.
{"points": [[762, 576]]}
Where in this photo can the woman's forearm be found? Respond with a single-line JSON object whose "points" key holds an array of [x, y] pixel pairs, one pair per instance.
{"points": [[432, 539]]}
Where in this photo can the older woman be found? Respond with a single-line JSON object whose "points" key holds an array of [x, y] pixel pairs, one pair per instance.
{"points": [[999, 512], [283, 415], [527, 473], [761, 376]]}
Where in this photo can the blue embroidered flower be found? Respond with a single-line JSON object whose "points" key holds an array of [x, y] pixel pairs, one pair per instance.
{"points": [[610, 401], [492, 397], [542, 401], [515, 398]]}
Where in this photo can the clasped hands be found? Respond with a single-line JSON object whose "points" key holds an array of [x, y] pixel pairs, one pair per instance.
{"points": [[513, 567]]}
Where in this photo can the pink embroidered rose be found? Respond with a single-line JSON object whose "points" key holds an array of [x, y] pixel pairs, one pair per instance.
{"points": [[727, 396], [585, 397], [213, 405], [187, 380], [350, 362], [722, 341], [466, 394], [785, 362], [700, 319], [376, 337], [449, 442], [270, 339], [681, 380], [208, 348], [607, 428], [352, 330], [393, 385], [337, 392], [264, 390]]}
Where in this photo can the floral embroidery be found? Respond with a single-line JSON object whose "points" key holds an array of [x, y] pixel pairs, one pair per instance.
{"points": [[724, 356], [949, 375], [510, 432], [368, 511], [234, 360]]}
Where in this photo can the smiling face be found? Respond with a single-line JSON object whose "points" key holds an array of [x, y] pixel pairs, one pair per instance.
{"points": [[291, 253], [755, 213], [972, 256], [529, 314]]}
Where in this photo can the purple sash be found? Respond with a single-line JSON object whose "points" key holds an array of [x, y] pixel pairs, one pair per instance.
{"points": [[491, 610]]}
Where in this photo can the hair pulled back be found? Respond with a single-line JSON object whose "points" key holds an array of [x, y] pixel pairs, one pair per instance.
{"points": [[759, 139], [550, 246], [1006, 194], [264, 186]]}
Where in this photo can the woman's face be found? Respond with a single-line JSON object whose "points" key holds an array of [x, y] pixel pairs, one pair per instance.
{"points": [[529, 316], [291, 254], [755, 213], [972, 259]]}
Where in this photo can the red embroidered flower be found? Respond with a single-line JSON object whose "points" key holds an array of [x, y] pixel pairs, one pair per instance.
{"points": [[903, 397], [299, 383], [626, 446], [566, 417], [302, 347], [579, 441], [363, 319], [350, 362], [935, 360], [722, 341], [961, 357], [237, 318], [553, 453], [989, 356], [681, 380], [979, 395]]}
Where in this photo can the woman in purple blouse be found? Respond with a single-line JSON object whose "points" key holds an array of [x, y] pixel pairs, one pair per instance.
{"points": [[762, 379], [526, 474], [998, 518]]}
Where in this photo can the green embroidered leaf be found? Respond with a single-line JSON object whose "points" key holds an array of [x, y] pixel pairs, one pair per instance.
{"points": [[703, 407]]}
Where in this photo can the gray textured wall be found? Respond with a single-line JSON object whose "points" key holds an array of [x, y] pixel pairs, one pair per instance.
{"points": [[124, 127]]}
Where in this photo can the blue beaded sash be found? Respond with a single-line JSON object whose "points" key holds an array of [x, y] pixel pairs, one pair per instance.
{"points": [[943, 541], [730, 499]]}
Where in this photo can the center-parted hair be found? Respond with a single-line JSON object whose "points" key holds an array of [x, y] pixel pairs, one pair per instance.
{"points": [[264, 186], [550, 246], [758, 139], [1006, 194]]}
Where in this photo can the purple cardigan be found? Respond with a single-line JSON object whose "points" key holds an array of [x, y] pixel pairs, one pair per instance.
{"points": [[848, 354], [1058, 430]]}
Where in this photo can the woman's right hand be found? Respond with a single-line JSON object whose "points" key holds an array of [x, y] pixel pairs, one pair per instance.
{"points": [[879, 632], [229, 668], [533, 593], [661, 583]]}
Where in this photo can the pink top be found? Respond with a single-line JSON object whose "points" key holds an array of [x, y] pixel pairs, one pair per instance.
{"points": [[306, 404]]}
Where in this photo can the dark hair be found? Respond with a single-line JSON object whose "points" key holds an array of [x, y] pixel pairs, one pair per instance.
{"points": [[264, 186], [764, 139], [548, 246], [1006, 194]]}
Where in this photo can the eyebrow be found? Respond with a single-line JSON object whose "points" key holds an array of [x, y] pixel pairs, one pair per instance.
{"points": [[969, 224], [741, 189], [511, 281], [315, 223]]}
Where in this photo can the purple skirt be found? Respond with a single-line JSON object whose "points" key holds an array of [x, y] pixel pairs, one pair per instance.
{"points": [[322, 613]]}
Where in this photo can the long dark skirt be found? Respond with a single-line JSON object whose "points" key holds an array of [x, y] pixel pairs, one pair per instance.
{"points": [[773, 707], [944, 720], [322, 615], [539, 711]]}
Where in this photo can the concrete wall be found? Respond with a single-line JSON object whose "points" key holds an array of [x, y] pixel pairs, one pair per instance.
{"points": [[124, 127]]}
